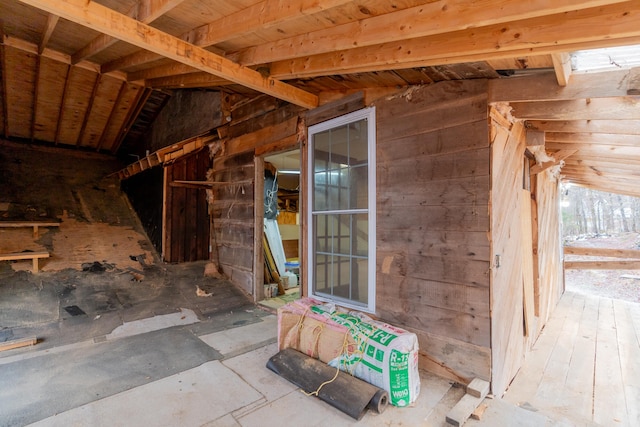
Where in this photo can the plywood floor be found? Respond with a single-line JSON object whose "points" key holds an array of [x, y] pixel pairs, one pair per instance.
{"points": [[585, 366]]}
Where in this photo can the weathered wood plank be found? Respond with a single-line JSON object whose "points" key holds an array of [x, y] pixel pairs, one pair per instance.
{"points": [[609, 408], [448, 244], [602, 252], [602, 265]]}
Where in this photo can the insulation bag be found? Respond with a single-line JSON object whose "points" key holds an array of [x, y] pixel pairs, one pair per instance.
{"points": [[375, 352]]}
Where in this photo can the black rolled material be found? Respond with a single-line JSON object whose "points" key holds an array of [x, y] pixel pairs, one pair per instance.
{"points": [[346, 393]]}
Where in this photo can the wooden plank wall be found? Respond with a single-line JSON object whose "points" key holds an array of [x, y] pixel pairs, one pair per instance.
{"points": [[187, 214], [257, 128], [507, 321], [433, 160]]}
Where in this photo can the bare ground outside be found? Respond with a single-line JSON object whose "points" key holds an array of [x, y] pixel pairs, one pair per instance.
{"points": [[617, 284]]}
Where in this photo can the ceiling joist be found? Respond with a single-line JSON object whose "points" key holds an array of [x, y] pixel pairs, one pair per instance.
{"points": [[595, 27], [429, 19], [145, 11], [265, 14], [117, 25], [624, 127]]}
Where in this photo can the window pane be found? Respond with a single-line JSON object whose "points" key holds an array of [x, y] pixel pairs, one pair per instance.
{"points": [[340, 208]]}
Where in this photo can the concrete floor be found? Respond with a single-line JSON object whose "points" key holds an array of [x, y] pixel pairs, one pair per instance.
{"points": [[184, 368]]}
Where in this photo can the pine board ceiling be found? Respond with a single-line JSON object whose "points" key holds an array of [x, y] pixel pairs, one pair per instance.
{"points": [[77, 73]]}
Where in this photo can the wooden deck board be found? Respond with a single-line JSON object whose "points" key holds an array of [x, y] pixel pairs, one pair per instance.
{"points": [[584, 366]]}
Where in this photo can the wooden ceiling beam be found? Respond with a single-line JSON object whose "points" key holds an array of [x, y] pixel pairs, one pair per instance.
{"points": [[193, 80], [265, 14], [117, 25], [52, 21], [544, 86], [593, 138], [625, 127], [609, 187], [173, 69], [615, 24], [604, 164], [428, 19], [622, 108], [598, 150], [145, 11]]}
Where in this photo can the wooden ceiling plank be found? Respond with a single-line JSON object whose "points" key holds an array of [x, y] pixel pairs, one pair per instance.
{"points": [[123, 89], [136, 106], [266, 14], [626, 127], [145, 11], [622, 108], [596, 27], [59, 56], [544, 87], [52, 21], [562, 67], [429, 19], [134, 32]]}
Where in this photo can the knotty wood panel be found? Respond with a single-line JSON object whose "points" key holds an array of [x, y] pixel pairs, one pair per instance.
{"points": [[433, 164]]}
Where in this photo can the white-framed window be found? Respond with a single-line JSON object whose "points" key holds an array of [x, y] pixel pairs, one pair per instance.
{"points": [[342, 216]]}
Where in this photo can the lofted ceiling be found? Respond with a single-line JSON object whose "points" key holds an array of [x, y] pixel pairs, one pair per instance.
{"points": [[78, 73]]}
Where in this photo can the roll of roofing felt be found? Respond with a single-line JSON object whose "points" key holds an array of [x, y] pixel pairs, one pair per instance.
{"points": [[339, 389]]}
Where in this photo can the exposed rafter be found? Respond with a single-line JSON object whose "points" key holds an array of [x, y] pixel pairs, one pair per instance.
{"points": [[595, 27], [145, 11], [127, 29], [429, 19], [265, 14], [562, 67], [623, 108], [544, 87]]}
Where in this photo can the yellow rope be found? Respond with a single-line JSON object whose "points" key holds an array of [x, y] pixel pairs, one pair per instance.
{"points": [[344, 348]]}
